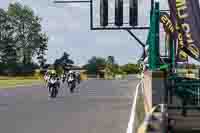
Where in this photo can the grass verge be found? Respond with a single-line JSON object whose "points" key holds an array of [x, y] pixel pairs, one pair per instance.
{"points": [[14, 82]]}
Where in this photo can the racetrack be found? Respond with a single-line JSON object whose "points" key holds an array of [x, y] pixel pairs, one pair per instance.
{"points": [[96, 106]]}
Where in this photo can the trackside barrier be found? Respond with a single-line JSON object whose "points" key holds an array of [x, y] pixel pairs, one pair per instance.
{"points": [[142, 122], [155, 121], [188, 90], [184, 103]]}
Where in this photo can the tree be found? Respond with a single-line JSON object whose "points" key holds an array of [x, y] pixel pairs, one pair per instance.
{"points": [[65, 59], [112, 67], [27, 32], [41, 52], [41, 61], [63, 62], [95, 64], [9, 55], [7, 44], [21, 39], [111, 60], [131, 68]]}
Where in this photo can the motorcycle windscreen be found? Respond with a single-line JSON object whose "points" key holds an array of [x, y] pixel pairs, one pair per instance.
{"points": [[187, 15]]}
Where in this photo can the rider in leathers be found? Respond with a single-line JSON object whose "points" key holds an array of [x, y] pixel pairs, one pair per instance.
{"points": [[53, 75], [72, 75]]}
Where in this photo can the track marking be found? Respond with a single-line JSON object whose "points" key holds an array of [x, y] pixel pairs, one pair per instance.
{"points": [[132, 116]]}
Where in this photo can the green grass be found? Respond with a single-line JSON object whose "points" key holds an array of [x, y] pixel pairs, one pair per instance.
{"points": [[17, 78], [13, 82]]}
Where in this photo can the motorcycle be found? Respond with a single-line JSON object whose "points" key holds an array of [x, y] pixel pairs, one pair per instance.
{"points": [[64, 78], [71, 84], [53, 88], [78, 78]]}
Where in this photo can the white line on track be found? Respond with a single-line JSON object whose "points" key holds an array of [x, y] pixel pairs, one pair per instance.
{"points": [[132, 116]]}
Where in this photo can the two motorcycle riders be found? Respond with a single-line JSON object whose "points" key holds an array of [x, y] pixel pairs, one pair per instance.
{"points": [[53, 80]]}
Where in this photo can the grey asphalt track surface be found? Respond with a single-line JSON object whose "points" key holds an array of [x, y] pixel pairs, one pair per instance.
{"points": [[97, 106]]}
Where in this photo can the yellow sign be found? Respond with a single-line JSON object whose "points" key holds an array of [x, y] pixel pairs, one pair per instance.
{"points": [[167, 23]]}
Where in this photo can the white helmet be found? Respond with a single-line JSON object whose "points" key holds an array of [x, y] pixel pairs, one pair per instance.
{"points": [[70, 71]]}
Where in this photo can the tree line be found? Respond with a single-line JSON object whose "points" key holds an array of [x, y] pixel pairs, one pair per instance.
{"points": [[96, 65], [21, 40], [111, 67]]}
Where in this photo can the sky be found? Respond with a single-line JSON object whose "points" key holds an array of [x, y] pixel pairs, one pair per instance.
{"points": [[68, 29]]}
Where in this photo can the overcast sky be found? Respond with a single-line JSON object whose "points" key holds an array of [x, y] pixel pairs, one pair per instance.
{"points": [[68, 28]]}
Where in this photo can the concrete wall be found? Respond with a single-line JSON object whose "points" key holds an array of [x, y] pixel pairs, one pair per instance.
{"points": [[154, 89]]}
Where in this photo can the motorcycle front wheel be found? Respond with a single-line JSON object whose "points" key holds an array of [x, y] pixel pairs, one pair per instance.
{"points": [[71, 87], [54, 92]]}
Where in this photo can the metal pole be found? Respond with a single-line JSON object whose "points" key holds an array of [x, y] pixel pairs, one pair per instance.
{"points": [[136, 38], [166, 44], [199, 73], [82, 1], [157, 34], [152, 7], [172, 54], [91, 14], [154, 41], [116, 28]]}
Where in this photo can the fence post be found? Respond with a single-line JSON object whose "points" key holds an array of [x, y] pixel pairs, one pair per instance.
{"points": [[154, 41]]}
